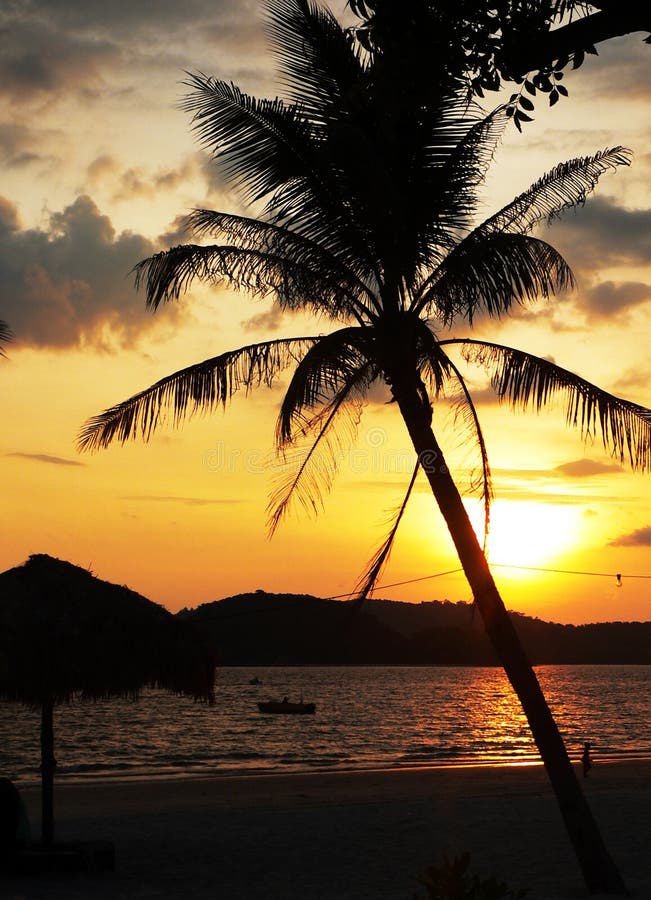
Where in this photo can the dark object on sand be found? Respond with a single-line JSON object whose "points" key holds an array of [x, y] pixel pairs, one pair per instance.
{"points": [[287, 708], [66, 635]]}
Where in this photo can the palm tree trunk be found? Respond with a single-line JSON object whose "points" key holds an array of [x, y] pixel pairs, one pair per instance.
{"points": [[48, 764], [599, 870]]}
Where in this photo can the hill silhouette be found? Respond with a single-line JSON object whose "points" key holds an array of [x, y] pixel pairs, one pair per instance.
{"points": [[264, 629]]}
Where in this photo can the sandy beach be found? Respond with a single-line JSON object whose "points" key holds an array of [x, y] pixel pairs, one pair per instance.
{"points": [[341, 835]]}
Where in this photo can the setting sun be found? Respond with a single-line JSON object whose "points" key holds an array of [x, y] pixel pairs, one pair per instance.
{"points": [[526, 533]]}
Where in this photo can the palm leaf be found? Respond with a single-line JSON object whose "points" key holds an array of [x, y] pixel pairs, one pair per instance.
{"points": [[336, 360], [317, 56], [310, 284], [306, 476], [255, 141], [336, 282], [565, 186], [203, 386], [462, 173], [270, 150], [529, 382], [465, 415], [442, 375], [367, 582], [489, 273]]}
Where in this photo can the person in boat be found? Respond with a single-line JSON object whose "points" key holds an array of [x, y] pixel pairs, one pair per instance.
{"points": [[285, 699], [586, 759]]}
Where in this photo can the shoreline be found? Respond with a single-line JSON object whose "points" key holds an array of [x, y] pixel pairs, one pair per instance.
{"points": [[341, 835], [120, 777]]}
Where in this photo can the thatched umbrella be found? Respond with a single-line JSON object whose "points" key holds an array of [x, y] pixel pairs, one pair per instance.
{"points": [[65, 635]]}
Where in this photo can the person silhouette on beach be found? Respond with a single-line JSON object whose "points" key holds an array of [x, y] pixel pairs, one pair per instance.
{"points": [[586, 759]]}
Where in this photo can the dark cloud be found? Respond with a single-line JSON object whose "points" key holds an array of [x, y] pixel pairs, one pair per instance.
{"points": [[581, 468], [20, 145], [639, 538], [37, 59], [46, 458], [602, 234], [621, 71], [126, 17], [70, 284], [609, 298], [48, 49]]}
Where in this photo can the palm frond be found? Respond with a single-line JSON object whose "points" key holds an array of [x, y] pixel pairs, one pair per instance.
{"points": [[490, 273], [465, 414], [318, 58], [443, 377], [340, 285], [457, 180], [368, 580], [310, 283], [6, 336], [203, 386], [271, 151], [336, 360], [565, 186], [307, 475], [255, 141], [526, 381]]}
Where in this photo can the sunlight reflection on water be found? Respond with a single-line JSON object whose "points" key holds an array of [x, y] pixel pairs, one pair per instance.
{"points": [[366, 717]]}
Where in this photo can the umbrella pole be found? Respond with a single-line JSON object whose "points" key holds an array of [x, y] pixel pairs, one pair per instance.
{"points": [[48, 764]]}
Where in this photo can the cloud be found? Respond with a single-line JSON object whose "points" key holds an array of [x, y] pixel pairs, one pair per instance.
{"points": [[268, 321], [46, 458], [86, 47], [136, 182], [609, 298], [68, 285], [20, 145], [639, 538], [602, 234], [38, 59], [582, 468], [185, 501]]}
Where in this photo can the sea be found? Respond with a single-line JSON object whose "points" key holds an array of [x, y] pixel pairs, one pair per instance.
{"points": [[367, 717]]}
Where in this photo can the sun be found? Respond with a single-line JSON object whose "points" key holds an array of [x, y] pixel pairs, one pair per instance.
{"points": [[525, 533]]}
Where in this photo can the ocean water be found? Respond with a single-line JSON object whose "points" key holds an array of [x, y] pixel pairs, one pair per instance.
{"points": [[366, 717]]}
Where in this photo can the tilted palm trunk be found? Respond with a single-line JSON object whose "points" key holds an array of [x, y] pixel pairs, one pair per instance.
{"points": [[599, 870]]}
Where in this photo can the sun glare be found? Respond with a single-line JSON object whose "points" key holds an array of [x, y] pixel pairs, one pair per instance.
{"points": [[525, 533]]}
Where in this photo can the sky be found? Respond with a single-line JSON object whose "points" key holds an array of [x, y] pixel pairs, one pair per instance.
{"points": [[98, 167]]}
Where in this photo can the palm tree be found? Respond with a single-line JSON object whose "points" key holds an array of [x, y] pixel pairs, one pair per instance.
{"points": [[367, 187]]}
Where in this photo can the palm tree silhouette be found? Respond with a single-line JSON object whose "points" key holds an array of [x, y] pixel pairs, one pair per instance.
{"points": [[367, 188]]}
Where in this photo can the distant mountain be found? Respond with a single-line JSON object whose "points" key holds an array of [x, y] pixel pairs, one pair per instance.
{"points": [[298, 629]]}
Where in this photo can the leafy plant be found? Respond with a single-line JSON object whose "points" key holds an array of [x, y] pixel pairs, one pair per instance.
{"points": [[451, 880]]}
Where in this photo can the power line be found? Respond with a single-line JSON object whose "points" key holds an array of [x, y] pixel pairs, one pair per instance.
{"points": [[566, 571], [381, 587], [618, 576]]}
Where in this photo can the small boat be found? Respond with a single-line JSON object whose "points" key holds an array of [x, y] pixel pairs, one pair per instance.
{"points": [[286, 707], [255, 680]]}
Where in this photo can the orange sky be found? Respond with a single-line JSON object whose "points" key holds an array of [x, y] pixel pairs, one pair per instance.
{"points": [[98, 164]]}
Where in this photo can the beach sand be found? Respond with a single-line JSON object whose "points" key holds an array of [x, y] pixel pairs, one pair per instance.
{"points": [[340, 835]]}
